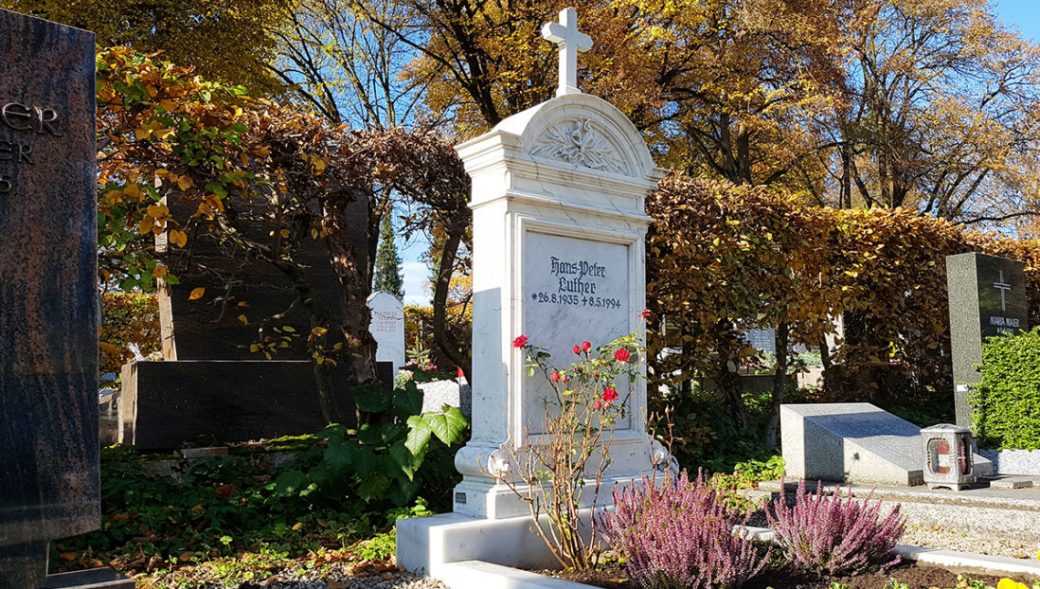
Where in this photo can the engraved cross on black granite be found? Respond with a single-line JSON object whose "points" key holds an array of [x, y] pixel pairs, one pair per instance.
{"points": [[1004, 288]]}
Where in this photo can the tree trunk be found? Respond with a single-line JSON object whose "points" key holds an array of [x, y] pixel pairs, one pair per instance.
{"points": [[782, 341], [349, 260], [727, 378], [448, 351]]}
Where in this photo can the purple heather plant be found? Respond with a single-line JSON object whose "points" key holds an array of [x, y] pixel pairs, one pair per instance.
{"points": [[678, 534], [835, 534]]}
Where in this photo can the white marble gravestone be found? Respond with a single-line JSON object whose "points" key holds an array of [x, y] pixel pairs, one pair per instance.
{"points": [[387, 327], [558, 256]]}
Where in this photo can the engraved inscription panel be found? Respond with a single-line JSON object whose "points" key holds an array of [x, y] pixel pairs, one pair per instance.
{"points": [[573, 290]]}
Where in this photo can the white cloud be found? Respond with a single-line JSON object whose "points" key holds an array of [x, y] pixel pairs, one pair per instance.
{"points": [[416, 283]]}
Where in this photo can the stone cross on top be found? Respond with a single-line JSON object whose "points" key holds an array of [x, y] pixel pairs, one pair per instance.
{"points": [[571, 41]]}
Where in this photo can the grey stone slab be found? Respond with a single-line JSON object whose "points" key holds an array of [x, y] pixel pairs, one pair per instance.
{"points": [[196, 453], [1012, 483], [854, 442], [49, 480], [89, 579], [439, 393], [987, 297], [1014, 462]]}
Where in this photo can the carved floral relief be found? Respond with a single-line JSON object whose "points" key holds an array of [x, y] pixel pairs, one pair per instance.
{"points": [[577, 142]]}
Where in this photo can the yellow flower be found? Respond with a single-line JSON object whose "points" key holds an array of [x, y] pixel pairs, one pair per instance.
{"points": [[1006, 583]]}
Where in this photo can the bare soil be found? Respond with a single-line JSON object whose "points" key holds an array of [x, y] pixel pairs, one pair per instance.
{"points": [[914, 576]]}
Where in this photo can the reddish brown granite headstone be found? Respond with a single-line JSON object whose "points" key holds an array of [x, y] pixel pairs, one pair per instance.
{"points": [[49, 482]]}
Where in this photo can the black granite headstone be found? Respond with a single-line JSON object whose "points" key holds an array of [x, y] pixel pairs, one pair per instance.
{"points": [[49, 479], [987, 299]]}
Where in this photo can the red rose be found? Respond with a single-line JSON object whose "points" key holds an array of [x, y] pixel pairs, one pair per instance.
{"points": [[586, 346], [520, 341], [610, 395], [459, 373], [645, 314], [597, 406], [621, 355], [576, 349], [555, 376]]}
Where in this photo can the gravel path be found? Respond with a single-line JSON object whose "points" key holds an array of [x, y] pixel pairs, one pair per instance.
{"points": [[948, 538]]}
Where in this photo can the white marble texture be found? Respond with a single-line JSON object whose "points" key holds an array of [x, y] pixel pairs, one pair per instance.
{"points": [[387, 327], [567, 178]]}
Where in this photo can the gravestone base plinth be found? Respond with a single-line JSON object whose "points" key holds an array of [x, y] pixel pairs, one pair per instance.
{"points": [[482, 494], [89, 579], [24, 566]]}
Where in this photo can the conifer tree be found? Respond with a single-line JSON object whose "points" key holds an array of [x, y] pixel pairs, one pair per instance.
{"points": [[387, 273]]}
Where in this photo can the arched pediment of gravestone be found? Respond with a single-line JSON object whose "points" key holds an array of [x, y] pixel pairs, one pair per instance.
{"points": [[573, 143], [582, 131]]}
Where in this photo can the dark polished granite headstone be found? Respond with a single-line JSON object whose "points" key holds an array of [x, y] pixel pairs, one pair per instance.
{"points": [[987, 299], [49, 480], [164, 405], [239, 284]]}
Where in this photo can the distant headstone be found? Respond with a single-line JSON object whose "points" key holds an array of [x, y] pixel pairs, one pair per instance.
{"points": [[387, 327], [215, 333], [855, 443], [49, 472], [453, 393], [987, 299]]}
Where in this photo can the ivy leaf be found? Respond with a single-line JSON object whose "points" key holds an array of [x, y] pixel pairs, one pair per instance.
{"points": [[404, 459], [447, 425], [372, 398], [418, 435], [373, 487], [408, 400], [337, 455]]}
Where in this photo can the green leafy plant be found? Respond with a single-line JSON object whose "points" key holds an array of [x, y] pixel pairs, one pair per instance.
{"points": [[1008, 392], [378, 547], [380, 461]]}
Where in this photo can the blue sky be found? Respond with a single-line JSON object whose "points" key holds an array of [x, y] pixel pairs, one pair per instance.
{"points": [[1023, 15]]}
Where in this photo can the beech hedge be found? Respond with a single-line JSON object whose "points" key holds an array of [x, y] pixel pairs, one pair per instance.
{"points": [[721, 257], [1006, 404]]}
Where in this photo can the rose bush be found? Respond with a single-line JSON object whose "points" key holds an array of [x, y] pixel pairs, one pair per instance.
{"points": [[554, 475]]}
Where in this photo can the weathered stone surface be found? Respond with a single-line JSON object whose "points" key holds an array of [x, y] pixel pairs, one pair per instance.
{"points": [[987, 298], [49, 484], [854, 442], [1014, 462], [167, 404], [439, 393]]}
